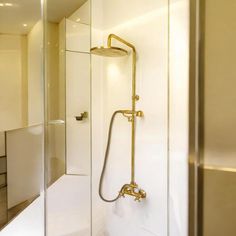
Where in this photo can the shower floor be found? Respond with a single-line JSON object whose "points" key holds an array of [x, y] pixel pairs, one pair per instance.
{"points": [[68, 206], [68, 211], [6, 215]]}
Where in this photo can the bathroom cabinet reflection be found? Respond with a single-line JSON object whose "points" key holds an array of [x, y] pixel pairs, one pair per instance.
{"points": [[21, 107]]}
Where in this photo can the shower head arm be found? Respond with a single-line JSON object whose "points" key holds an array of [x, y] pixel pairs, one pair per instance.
{"points": [[113, 36]]}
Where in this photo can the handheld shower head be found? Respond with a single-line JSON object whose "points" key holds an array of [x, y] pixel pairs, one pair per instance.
{"points": [[109, 51]]}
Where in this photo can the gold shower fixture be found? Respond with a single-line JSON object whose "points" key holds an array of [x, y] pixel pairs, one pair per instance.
{"points": [[132, 188]]}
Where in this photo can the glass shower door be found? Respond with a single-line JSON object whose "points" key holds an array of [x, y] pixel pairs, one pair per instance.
{"points": [[68, 162]]}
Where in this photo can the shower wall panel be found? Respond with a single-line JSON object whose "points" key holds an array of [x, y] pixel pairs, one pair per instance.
{"points": [[77, 62], [146, 26], [77, 36], [24, 152], [78, 101]]}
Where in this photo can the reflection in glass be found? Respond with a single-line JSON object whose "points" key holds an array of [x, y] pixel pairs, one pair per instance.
{"points": [[21, 107], [68, 96]]}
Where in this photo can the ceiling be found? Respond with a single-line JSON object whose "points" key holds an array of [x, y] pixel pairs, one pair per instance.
{"points": [[21, 12], [13, 18], [57, 9]]}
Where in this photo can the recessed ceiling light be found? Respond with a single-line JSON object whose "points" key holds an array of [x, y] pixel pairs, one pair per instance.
{"points": [[25, 25], [7, 4], [78, 20]]}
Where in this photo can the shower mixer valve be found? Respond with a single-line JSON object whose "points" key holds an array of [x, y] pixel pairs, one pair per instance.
{"points": [[133, 190]]}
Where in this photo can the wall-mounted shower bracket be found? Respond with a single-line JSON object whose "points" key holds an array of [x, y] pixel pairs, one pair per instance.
{"points": [[129, 114]]}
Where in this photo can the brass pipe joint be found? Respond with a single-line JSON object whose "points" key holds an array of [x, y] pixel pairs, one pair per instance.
{"points": [[113, 36]]}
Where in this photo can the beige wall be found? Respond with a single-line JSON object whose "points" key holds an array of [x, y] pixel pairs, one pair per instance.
{"points": [[62, 66], [35, 81], [53, 70], [220, 83], [24, 76], [13, 81], [21, 89]]}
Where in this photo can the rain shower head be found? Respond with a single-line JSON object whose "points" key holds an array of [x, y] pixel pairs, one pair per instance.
{"points": [[109, 51]]}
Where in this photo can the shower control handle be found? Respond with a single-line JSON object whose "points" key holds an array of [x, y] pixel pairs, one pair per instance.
{"points": [[82, 116]]}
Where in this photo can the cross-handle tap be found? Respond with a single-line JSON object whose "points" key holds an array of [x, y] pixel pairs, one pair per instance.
{"points": [[132, 189]]}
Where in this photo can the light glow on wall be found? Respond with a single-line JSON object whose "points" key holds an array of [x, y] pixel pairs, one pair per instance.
{"points": [[113, 71]]}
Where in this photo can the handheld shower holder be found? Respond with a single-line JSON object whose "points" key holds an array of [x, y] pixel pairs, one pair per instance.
{"points": [[129, 114]]}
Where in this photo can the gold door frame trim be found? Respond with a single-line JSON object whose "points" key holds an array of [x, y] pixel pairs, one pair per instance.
{"points": [[196, 116], [193, 117]]}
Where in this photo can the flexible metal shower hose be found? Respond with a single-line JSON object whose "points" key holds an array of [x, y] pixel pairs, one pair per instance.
{"points": [[106, 159]]}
